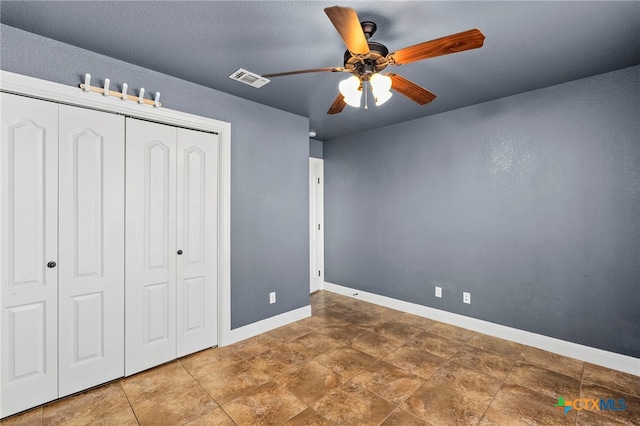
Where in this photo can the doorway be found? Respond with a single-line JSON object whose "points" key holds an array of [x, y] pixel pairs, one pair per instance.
{"points": [[316, 224]]}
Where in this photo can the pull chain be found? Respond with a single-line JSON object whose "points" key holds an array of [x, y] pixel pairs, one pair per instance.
{"points": [[365, 89]]}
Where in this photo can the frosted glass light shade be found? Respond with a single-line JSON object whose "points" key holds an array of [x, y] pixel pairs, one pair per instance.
{"points": [[349, 89], [380, 83], [380, 86]]}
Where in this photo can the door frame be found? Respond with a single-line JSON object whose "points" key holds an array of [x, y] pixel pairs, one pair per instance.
{"points": [[317, 282], [46, 90]]}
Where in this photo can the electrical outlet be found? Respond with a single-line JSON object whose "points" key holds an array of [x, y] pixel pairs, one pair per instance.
{"points": [[272, 297], [466, 297], [438, 291]]}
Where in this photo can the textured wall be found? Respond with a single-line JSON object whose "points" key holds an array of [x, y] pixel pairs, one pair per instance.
{"points": [[315, 148], [269, 168], [531, 203]]}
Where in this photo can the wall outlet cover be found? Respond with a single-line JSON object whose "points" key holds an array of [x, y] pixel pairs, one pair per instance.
{"points": [[466, 297], [438, 291], [272, 297]]}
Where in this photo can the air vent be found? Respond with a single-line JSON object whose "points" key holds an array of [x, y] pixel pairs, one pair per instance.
{"points": [[246, 77]]}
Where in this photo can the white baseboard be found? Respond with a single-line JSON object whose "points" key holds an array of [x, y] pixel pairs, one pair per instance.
{"points": [[259, 327], [596, 356]]}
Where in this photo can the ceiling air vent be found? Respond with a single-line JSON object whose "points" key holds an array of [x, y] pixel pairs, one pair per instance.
{"points": [[246, 77]]}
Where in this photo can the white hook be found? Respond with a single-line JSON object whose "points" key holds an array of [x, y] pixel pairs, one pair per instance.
{"points": [[87, 82], [124, 91], [157, 100], [106, 86], [141, 96]]}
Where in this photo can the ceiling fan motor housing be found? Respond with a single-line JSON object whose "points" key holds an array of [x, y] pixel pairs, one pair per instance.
{"points": [[371, 63]]}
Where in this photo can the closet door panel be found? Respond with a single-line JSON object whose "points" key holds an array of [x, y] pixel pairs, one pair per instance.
{"points": [[91, 269], [150, 245], [197, 233], [28, 241]]}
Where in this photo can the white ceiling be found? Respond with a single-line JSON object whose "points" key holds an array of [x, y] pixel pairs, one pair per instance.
{"points": [[528, 45]]}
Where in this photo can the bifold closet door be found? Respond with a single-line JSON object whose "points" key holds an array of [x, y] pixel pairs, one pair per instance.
{"points": [[91, 243], [28, 252], [171, 241], [150, 245]]}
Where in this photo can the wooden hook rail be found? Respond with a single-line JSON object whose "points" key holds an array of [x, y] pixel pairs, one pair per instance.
{"points": [[87, 87]]}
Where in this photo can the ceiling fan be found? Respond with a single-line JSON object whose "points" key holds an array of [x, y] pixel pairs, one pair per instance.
{"points": [[365, 59]]}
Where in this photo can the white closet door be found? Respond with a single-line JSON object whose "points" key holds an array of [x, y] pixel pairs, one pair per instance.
{"points": [[197, 161], [91, 244], [150, 271], [28, 242]]}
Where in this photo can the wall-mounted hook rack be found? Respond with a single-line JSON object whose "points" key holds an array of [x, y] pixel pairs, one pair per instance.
{"points": [[87, 87]]}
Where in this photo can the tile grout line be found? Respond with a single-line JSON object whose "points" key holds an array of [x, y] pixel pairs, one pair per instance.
{"points": [[128, 400], [504, 379], [201, 387]]}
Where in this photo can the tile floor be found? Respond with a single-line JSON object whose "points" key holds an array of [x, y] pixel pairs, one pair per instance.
{"points": [[354, 363]]}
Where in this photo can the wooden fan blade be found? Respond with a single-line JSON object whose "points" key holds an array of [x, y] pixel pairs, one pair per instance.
{"points": [[338, 105], [347, 23], [471, 39], [411, 90], [329, 69]]}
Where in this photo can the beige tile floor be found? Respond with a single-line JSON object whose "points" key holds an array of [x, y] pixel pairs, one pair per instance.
{"points": [[354, 363]]}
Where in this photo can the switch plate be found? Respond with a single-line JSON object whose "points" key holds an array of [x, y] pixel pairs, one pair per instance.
{"points": [[438, 291], [466, 297], [272, 297]]}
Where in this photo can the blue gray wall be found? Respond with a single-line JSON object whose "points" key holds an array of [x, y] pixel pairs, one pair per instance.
{"points": [[315, 148], [531, 203], [269, 168]]}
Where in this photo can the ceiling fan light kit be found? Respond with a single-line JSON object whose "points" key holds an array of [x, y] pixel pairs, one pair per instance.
{"points": [[366, 59]]}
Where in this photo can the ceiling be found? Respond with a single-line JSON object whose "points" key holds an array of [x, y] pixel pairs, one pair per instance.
{"points": [[528, 45]]}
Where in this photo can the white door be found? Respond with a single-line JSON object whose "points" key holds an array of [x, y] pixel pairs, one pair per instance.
{"points": [[197, 161], [316, 223], [91, 243], [150, 269], [28, 242]]}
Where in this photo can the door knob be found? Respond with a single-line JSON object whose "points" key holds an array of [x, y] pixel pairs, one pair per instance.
{"points": [[51, 264], [179, 252]]}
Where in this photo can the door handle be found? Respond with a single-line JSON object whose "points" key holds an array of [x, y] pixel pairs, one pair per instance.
{"points": [[51, 264], [179, 252]]}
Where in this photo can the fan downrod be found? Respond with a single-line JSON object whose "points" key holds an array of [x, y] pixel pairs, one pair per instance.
{"points": [[368, 28]]}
